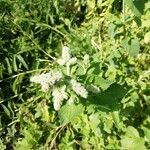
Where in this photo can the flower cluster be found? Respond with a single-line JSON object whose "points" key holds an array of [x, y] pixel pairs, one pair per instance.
{"points": [[66, 58], [59, 95], [47, 79], [79, 89]]}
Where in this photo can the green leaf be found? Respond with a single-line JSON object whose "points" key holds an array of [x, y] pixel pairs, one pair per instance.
{"points": [[15, 64], [2, 146], [146, 132], [134, 47], [116, 118], [133, 144], [103, 83], [22, 61], [17, 83], [112, 30], [147, 38], [1, 71], [8, 65], [134, 9], [6, 110], [69, 112], [132, 132], [110, 97], [132, 140]]}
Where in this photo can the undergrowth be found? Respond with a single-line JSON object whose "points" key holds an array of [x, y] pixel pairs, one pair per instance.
{"points": [[74, 74]]}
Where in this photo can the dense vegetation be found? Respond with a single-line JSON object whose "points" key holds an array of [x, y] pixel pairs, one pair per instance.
{"points": [[74, 74]]}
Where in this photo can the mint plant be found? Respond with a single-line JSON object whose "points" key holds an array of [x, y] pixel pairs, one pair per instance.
{"points": [[74, 74]]}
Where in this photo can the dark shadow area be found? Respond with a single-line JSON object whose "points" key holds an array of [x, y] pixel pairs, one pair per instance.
{"points": [[109, 99], [140, 5]]}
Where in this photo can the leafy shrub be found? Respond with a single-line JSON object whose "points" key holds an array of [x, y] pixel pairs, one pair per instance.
{"points": [[74, 74]]}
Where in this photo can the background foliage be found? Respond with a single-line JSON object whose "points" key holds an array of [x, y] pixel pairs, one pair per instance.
{"points": [[116, 35]]}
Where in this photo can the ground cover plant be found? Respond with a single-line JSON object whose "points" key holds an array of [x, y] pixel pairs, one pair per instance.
{"points": [[74, 74]]}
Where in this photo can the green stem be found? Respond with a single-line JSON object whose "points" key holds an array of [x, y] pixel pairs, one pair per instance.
{"points": [[23, 73]]}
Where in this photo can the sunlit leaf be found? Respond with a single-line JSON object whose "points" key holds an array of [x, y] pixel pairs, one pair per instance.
{"points": [[69, 112]]}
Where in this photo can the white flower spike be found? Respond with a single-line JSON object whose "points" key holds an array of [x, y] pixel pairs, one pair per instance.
{"points": [[59, 95], [79, 89], [66, 53], [66, 57], [47, 79]]}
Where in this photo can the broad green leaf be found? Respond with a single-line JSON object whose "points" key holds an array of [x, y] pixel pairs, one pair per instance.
{"points": [[132, 140], [108, 125], [133, 144], [134, 47], [94, 122], [146, 20], [134, 9], [147, 38], [132, 132], [146, 132], [112, 30], [69, 112], [140, 5]]}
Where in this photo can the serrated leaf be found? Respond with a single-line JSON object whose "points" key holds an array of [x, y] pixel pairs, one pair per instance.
{"points": [[69, 112], [134, 48]]}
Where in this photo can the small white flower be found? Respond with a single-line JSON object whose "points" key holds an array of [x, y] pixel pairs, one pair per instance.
{"points": [[79, 89], [56, 76], [59, 95], [47, 79], [66, 53], [93, 89], [44, 87], [86, 59], [35, 79], [61, 61], [66, 57], [72, 61]]}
